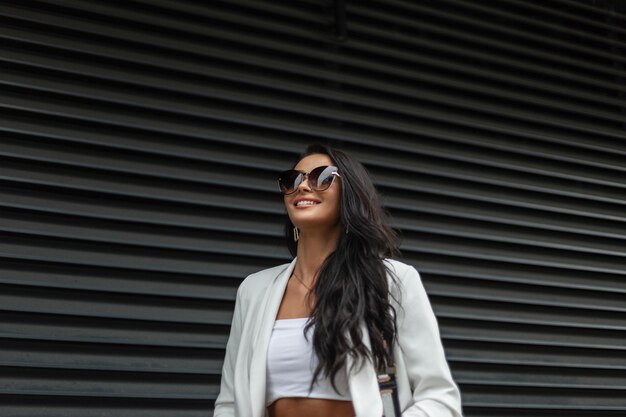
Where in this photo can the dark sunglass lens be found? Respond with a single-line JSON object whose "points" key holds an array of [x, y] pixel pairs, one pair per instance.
{"points": [[321, 177], [289, 181]]}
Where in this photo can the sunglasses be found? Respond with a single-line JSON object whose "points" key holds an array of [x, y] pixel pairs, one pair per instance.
{"points": [[320, 179]]}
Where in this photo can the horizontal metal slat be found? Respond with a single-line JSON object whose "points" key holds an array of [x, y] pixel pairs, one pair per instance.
{"points": [[513, 64], [108, 182], [393, 203], [180, 18], [553, 337], [608, 10], [480, 411], [441, 151], [412, 12], [521, 354], [361, 63], [371, 82], [537, 377], [141, 164], [525, 255], [249, 22], [511, 253], [116, 305], [449, 147], [501, 271], [295, 10], [52, 147], [47, 327], [549, 26], [123, 234], [75, 110], [355, 97], [53, 275], [29, 381], [405, 211], [527, 398], [500, 176], [189, 105], [425, 183], [221, 202], [188, 169], [473, 288], [409, 226], [130, 257], [47, 202], [189, 109], [521, 198], [564, 10], [565, 318], [77, 406], [102, 357], [485, 231], [442, 66]]}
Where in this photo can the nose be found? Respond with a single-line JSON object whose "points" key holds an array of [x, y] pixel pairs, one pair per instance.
{"points": [[305, 183]]}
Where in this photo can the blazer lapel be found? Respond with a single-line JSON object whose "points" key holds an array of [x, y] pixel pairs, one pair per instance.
{"points": [[265, 323], [363, 384]]}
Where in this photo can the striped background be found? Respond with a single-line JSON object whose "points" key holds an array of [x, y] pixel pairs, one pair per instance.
{"points": [[140, 139]]}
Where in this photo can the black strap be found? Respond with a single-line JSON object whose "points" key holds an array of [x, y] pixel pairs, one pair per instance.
{"points": [[389, 387]]}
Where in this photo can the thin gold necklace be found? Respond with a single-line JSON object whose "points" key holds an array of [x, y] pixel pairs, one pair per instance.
{"points": [[302, 282]]}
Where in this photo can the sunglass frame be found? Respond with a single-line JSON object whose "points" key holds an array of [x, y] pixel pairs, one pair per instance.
{"points": [[313, 180]]}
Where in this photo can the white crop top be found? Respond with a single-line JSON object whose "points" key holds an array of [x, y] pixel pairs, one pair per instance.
{"points": [[291, 362]]}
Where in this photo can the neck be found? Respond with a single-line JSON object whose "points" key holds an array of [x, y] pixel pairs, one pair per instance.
{"points": [[314, 246]]}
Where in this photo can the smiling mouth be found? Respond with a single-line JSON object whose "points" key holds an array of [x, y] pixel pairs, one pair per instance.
{"points": [[304, 203]]}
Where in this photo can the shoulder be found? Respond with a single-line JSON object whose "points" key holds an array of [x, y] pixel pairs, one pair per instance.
{"points": [[259, 280], [401, 270], [407, 283]]}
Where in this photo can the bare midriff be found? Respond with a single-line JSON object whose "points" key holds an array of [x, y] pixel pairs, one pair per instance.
{"points": [[310, 407]]}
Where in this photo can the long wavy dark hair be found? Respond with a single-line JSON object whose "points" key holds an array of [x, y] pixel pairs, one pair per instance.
{"points": [[352, 286]]}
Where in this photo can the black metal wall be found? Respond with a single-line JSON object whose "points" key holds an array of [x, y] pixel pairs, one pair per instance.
{"points": [[139, 145]]}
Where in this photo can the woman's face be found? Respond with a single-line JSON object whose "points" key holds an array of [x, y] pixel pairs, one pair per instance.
{"points": [[325, 211]]}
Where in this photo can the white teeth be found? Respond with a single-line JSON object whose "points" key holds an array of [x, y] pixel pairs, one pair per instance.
{"points": [[306, 203]]}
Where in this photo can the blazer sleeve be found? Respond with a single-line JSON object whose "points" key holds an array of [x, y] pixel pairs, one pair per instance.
{"points": [[435, 394], [225, 402]]}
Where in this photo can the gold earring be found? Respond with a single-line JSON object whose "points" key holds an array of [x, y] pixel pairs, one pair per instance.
{"points": [[296, 234]]}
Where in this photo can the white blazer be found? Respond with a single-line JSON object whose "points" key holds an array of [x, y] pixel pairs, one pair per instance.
{"points": [[425, 385]]}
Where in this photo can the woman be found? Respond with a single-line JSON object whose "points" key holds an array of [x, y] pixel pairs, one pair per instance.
{"points": [[308, 337]]}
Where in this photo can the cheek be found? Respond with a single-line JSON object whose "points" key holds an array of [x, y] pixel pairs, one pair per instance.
{"points": [[288, 208], [336, 203]]}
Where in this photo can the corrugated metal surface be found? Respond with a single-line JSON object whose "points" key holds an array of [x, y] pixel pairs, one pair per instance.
{"points": [[140, 141]]}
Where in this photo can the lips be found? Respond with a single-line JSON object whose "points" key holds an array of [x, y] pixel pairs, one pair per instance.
{"points": [[306, 202]]}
